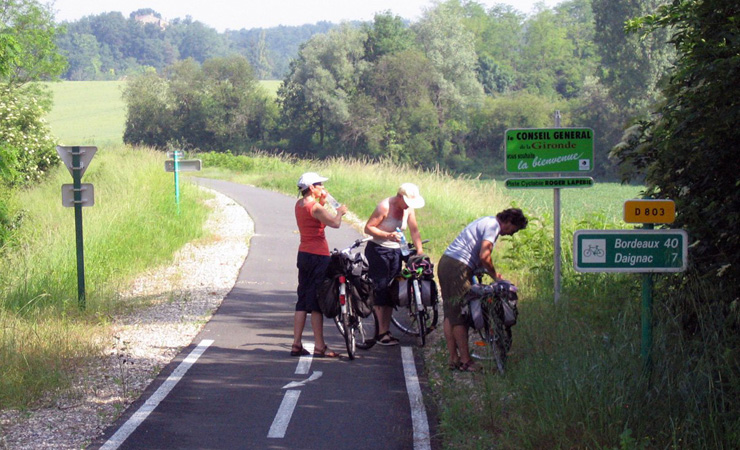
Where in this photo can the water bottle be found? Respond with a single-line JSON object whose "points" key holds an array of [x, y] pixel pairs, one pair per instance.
{"points": [[404, 245], [332, 201]]}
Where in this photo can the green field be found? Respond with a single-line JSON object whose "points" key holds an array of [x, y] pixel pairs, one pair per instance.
{"points": [[87, 112], [93, 112]]}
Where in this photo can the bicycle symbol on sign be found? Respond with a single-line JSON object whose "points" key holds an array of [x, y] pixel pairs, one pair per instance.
{"points": [[593, 250]]}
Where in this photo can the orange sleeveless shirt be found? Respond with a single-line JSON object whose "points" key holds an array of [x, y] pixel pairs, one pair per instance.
{"points": [[313, 238]]}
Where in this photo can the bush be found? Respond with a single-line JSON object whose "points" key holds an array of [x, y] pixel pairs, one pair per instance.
{"points": [[27, 149]]}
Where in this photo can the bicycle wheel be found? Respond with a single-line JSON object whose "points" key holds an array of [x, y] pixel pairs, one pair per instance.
{"points": [[349, 323], [490, 344], [367, 332], [407, 319]]}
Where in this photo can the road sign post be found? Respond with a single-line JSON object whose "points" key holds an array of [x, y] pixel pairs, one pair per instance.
{"points": [[178, 165], [550, 150], [77, 159], [645, 251]]}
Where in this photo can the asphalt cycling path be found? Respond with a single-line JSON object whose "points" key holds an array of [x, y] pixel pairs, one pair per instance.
{"points": [[236, 387]]}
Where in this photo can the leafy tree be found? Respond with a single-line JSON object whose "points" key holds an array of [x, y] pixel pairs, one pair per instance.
{"points": [[149, 116], [200, 43], [493, 77], [27, 53], [449, 46], [218, 106], [315, 96], [30, 32], [387, 35], [687, 150], [401, 87], [631, 66]]}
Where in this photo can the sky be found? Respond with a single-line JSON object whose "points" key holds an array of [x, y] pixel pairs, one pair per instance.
{"points": [[238, 14]]}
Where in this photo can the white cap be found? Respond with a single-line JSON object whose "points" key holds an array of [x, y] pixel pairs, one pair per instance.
{"points": [[411, 196], [308, 179]]}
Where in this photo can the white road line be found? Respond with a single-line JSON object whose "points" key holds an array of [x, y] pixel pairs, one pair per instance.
{"points": [[304, 364], [282, 419], [418, 412], [139, 416]]}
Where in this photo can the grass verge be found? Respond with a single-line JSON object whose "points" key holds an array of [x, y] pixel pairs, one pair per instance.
{"points": [[133, 225]]}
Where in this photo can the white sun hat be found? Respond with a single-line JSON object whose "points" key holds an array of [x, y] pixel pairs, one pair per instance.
{"points": [[410, 194], [308, 179]]}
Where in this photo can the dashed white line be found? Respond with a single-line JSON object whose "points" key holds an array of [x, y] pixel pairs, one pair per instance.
{"points": [[305, 362], [282, 419], [134, 421], [418, 412]]}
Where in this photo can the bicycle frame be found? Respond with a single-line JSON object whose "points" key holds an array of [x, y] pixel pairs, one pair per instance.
{"points": [[349, 322], [495, 338], [420, 319]]}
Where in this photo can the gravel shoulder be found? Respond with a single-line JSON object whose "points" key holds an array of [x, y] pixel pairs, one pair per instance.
{"points": [[183, 296]]}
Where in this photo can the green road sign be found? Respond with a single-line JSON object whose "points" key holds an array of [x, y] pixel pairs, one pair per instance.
{"points": [[549, 183], [641, 251], [549, 150]]}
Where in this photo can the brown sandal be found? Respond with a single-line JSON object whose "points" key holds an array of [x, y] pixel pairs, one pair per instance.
{"points": [[325, 353], [298, 350], [469, 366]]}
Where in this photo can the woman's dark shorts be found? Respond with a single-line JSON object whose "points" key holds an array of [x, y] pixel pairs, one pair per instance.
{"points": [[311, 271], [454, 281], [385, 264]]}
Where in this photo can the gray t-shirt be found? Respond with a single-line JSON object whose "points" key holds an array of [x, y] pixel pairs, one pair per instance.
{"points": [[466, 246]]}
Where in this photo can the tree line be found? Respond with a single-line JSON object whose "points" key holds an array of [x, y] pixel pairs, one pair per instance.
{"points": [[109, 46], [442, 91], [661, 97]]}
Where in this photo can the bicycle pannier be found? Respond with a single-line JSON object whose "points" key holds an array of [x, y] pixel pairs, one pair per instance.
{"points": [[507, 292], [328, 297], [363, 294], [400, 292], [428, 292], [473, 301]]}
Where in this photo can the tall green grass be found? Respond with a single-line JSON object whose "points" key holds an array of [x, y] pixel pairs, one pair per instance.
{"points": [[133, 225]]}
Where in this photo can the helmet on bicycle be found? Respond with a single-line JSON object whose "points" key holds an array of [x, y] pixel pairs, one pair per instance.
{"points": [[421, 262]]}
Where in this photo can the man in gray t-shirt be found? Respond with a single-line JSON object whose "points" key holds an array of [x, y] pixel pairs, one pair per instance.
{"points": [[467, 245], [470, 250]]}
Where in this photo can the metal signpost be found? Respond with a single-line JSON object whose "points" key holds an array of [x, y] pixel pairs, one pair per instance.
{"points": [[177, 165], [645, 251], [550, 150], [77, 195]]}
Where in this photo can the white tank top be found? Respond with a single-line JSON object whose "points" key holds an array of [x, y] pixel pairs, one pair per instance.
{"points": [[390, 224]]}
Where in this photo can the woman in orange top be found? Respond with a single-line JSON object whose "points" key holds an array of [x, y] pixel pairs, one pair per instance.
{"points": [[313, 259]]}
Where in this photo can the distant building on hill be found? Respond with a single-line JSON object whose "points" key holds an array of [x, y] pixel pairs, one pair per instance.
{"points": [[151, 18]]}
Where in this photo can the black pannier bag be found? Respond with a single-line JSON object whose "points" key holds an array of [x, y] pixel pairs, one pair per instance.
{"points": [[400, 292], [363, 294], [328, 296], [354, 267], [477, 301], [473, 306], [507, 292]]}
